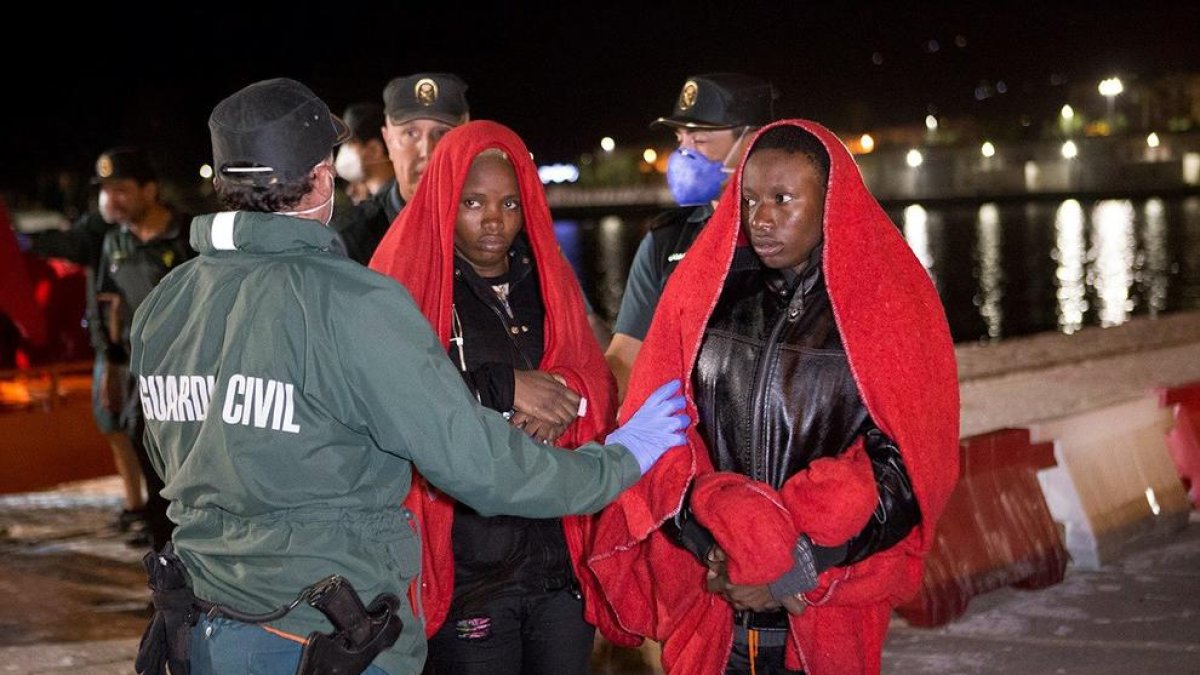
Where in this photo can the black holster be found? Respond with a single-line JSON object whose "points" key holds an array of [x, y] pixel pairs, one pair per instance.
{"points": [[360, 633], [167, 641]]}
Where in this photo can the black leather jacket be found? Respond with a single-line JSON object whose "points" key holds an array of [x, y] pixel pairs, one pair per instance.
{"points": [[775, 392]]}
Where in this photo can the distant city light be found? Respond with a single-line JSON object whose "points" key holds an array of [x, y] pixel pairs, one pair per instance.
{"points": [[649, 155], [1152, 140], [558, 173], [1070, 150], [206, 171], [867, 143], [607, 144], [1068, 113], [931, 123], [914, 158], [987, 150], [1111, 87]]}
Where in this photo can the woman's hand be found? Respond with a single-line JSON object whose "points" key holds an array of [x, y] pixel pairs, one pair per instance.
{"points": [[538, 429], [717, 577], [756, 598], [541, 395]]}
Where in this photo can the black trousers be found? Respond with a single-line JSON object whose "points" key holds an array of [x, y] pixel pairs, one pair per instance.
{"points": [[769, 658], [157, 523], [540, 633]]}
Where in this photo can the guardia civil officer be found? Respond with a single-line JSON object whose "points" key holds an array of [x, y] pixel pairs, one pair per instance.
{"points": [[713, 117], [418, 110], [288, 393]]}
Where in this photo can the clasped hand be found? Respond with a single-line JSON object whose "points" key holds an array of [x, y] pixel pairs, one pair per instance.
{"points": [[752, 597], [544, 405]]}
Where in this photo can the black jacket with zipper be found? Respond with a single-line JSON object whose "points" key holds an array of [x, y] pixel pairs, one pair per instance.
{"points": [[501, 555]]}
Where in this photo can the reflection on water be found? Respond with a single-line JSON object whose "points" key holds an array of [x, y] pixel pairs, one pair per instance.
{"points": [[1153, 274], [916, 233], [1070, 251], [1001, 269], [1112, 273], [989, 273], [611, 259]]}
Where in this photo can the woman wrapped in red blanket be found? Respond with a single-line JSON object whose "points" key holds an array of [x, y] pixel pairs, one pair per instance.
{"points": [[476, 249], [821, 373]]}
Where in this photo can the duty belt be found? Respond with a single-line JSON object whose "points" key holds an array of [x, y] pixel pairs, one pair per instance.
{"points": [[360, 633]]}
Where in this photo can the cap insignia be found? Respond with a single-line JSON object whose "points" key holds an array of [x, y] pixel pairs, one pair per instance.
{"points": [[687, 97], [426, 91], [104, 166]]}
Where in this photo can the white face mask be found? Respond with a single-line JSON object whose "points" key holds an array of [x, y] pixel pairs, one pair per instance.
{"points": [[314, 209], [349, 164]]}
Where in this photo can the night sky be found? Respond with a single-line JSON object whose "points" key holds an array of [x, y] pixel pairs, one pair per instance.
{"points": [[563, 76]]}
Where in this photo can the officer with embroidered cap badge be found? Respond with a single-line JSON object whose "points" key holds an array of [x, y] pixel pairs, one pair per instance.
{"points": [[418, 110], [713, 116]]}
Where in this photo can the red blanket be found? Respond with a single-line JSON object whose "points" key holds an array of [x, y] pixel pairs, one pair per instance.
{"points": [[901, 355], [418, 251]]}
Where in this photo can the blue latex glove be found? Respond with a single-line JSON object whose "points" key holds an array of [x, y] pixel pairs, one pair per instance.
{"points": [[656, 427]]}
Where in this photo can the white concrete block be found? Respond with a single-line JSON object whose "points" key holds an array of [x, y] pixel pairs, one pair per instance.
{"points": [[1115, 483]]}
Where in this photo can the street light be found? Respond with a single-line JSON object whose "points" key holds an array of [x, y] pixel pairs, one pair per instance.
{"points": [[1110, 88], [1066, 118]]}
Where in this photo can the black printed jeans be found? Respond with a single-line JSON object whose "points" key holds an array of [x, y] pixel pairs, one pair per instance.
{"points": [[531, 634]]}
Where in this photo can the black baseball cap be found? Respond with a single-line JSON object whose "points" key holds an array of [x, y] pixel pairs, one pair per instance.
{"points": [[721, 101], [124, 163], [365, 121], [270, 131], [435, 96]]}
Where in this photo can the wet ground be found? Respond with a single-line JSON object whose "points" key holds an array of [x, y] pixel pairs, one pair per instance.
{"points": [[73, 599]]}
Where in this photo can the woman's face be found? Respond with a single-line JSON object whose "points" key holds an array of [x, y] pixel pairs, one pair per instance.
{"points": [[489, 215], [783, 206]]}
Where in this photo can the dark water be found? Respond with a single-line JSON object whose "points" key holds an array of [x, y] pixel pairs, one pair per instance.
{"points": [[1002, 270]]}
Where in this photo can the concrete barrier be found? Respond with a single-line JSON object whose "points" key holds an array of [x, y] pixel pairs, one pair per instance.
{"points": [[1114, 483], [996, 531], [1183, 441]]}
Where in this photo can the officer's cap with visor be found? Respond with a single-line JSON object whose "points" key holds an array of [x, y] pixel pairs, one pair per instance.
{"points": [[434, 96], [722, 101], [272, 131], [124, 163]]}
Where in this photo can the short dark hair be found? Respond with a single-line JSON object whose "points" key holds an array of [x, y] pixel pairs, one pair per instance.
{"points": [[794, 140], [277, 196]]}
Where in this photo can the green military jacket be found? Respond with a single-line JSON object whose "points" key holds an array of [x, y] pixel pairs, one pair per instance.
{"points": [[288, 391]]}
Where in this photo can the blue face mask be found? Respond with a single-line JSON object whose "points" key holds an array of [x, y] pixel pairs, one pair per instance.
{"points": [[694, 178]]}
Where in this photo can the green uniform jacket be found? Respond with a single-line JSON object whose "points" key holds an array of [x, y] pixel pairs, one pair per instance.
{"points": [[287, 393]]}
